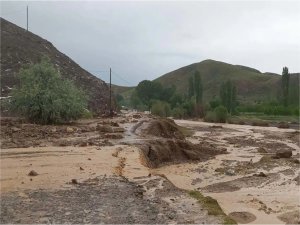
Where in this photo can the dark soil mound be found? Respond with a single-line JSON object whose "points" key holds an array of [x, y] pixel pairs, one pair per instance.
{"points": [[165, 128], [14, 133], [290, 217], [242, 217], [297, 179], [20, 47], [162, 151], [243, 182]]}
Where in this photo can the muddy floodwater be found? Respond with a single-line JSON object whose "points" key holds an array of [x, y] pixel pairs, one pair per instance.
{"points": [[233, 181], [92, 165]]}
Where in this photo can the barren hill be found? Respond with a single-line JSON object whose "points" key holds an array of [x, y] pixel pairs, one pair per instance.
{"points": [[20, 48]]}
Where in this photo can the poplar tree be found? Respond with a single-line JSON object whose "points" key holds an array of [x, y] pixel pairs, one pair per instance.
{"points": [[191, 87], [285, 78], [228, 96], [198, 87]]}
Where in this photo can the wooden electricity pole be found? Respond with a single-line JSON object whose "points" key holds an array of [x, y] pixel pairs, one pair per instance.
{"points": [[110, 106], [27, 18]]}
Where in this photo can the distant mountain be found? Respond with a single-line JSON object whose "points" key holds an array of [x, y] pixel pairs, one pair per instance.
{"points": [[251, 83], [20, 48]]}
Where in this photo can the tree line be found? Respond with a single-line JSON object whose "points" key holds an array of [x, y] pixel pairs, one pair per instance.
{"points": [[166, 101], [286, 101], [44, 97]]}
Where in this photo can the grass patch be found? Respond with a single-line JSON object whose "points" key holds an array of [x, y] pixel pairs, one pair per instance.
{"points": [[212, 206], [270, 118], [256, 119]]}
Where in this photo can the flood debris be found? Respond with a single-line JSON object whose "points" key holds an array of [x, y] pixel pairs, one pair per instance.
{"points": [[283, 154], [242, 217], [74, 181], [32, 173], [152, 153], [161, 151]]}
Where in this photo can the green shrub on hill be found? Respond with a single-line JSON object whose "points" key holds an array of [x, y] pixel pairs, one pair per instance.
{"points": [[219, 115], [161, 108], [210, 117], [44, 97], [178, 112]]}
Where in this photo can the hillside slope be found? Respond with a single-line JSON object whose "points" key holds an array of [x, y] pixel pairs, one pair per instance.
{"points": [[251, 83], [20, 48]]}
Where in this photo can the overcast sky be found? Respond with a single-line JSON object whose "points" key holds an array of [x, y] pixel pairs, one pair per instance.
{"points": [[144, 40]]}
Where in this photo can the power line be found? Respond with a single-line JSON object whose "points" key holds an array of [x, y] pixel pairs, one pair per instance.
{"points": [[122, 78], [117, 75], [99, 71]]}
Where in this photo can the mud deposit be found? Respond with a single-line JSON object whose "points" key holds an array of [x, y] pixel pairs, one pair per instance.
{"points": [[111, 200], [91, 177], [251, 183], [138, 169], [168, 144]]}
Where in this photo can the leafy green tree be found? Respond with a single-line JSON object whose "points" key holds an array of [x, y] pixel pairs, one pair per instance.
{"points": [[178, 112], [134, 99], [119, 100], [161, 108], [215, 102], [210, 116], [228, 103], [44, 97], [158, 90], [228, 96], [285, 85], [136, 103], [144, 91], [221, 114], [165, 94], [148, 90], [223, 94], [233, 100], [198, 87], [191, 87], [175, 100], [294, 95], [189, 106]]}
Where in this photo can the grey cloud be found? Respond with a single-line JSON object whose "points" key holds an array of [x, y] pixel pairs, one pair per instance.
{"points": [[143, 40]]}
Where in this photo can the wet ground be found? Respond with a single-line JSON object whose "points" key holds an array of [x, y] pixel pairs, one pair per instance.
{"points": [[248, 179], [104, 199], [93, 172], [103, 181]]}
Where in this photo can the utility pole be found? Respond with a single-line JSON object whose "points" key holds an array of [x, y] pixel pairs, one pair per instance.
{"points": [[27, 17], [110, 109]]}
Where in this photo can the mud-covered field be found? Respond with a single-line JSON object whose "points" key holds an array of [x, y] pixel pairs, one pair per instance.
{"points": [[91, 171], [256, 182], [135, 168]]}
